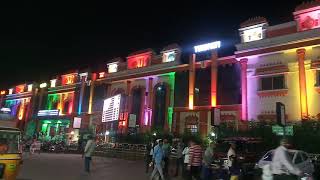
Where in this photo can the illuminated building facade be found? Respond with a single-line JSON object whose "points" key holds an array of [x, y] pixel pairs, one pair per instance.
{"points": [[176, 90], [281, 64]]}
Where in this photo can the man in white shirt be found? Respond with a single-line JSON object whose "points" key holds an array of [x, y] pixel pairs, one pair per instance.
{"points": [[231, 154], [282, 166], [88, 151]]}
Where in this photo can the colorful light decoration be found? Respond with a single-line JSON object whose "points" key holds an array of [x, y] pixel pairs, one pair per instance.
{"points": [[20, 88], [169, 56], [112, 67], [10, 91], [68, 79], [30, 87], [53, 83], [3, 92], [207, 47], [308, 18], [138, 61], [102, 74], [43, 85]]}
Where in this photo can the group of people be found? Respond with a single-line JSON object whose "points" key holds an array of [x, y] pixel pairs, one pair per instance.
{"points": [[197, 163], [189, 158]]}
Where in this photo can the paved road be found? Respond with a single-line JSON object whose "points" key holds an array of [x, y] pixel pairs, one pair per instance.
{"points": [[70, 167]]}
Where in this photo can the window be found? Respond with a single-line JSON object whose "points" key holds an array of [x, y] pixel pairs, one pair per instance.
{"points": [[273, 83], [318, 79]]}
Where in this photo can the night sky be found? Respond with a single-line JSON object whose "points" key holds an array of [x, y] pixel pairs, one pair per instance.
{"points": [[39, 40]]}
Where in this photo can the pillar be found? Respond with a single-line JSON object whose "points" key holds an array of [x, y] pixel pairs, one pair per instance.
{"points": [[149, 101], [72, 96], [93, 78], [301, 53], [192, 74], [128, 103], [244, 92], [83, 85], [214, 74]]}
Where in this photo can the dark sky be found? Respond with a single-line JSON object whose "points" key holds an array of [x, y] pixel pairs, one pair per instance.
{"points": [[41, 39]]}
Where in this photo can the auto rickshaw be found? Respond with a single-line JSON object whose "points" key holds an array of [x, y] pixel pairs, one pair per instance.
{"points": [[10, 153]]}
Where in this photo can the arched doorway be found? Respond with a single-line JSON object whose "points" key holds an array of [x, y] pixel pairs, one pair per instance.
{"points": [[136, 108], [160, 106]]}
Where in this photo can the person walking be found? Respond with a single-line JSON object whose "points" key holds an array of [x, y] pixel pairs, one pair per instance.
{"points": [[179, 160], [234, 169], [166, 150], [282, 166], [157, 159], [149, 154], [195, 159], [88, 151], [185, 153], [231, 154], [207, 161]]}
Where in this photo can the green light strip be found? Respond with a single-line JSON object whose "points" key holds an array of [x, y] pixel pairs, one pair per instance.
{"points": [[171, 105], [52, 98]]}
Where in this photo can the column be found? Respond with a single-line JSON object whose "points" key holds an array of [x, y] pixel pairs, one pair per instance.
{"points": [[83, 85], [94, 76], [128, 103], [71, 96], [244, 92], [171, 103], [149, 103], [192, 74], [301, 53], [214, 74]]}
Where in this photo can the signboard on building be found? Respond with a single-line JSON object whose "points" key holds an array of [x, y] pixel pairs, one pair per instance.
{"points": [[76, 122], [54, 112], [111, 108], [207, 47], [281, 113], [132, 120], [279, 130], [215, 116]]}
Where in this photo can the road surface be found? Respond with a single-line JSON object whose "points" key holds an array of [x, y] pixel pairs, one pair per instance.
{"points": [[70, 167]]}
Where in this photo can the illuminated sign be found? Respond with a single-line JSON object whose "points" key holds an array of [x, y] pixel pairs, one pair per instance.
{"points": [[207, 47], [169, 56], [3, 92], [54, 112], [43, 85], [10, 91], [113, 67], [102, 74], [76, 122], [20, 88], [111, 108], [138, 61], [308, 20], [53, 83], [30, 87], [68, 79], [5, 110], [84, 75], [253, 34]]}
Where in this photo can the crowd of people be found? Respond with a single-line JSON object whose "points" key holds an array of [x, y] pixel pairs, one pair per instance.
{"points": [[188, 159], [195, 163]]}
